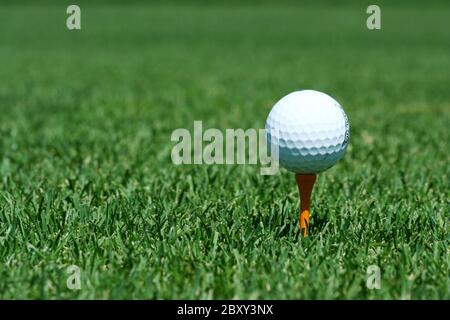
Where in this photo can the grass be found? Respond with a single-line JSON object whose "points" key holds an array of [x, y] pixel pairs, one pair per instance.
{"points": [[86, 176]]}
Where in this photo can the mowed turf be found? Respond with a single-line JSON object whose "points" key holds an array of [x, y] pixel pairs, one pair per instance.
{"points": [[87, 180]]}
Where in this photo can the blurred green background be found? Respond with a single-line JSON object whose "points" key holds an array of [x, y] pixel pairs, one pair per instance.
{"points": [[86, 175]]}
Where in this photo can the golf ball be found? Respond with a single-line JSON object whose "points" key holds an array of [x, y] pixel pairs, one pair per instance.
{"points": [[310, 130]]}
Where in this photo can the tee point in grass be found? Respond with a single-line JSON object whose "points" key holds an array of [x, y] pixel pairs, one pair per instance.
{"points": [[305, 183]]}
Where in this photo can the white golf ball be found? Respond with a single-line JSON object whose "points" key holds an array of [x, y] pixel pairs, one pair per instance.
{"points": [[310, 130]]}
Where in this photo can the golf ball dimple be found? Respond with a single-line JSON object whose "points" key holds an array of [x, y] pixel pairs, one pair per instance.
{"points": [[310, 130]]}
